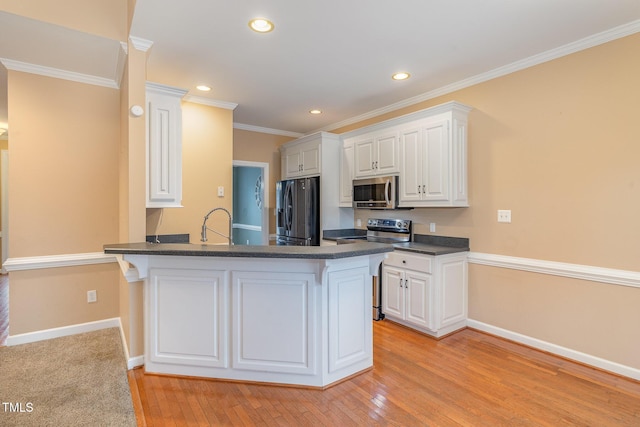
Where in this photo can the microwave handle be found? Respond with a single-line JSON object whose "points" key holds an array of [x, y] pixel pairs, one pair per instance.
{"points": [[387, 188]]}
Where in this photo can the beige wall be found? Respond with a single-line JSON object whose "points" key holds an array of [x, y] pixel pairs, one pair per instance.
{"points": [[207, 157], [261, 147], [558, 145], [63, 198], [106, 18], [57, 297]]}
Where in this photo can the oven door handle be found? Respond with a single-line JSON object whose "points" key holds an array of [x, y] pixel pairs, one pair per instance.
{"points": [[387, 188]]}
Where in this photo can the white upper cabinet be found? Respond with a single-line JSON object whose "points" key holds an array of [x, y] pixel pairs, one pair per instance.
{"points": [[164, 146], [376, 154], [433, 159], [301, 160], [427, 149]]}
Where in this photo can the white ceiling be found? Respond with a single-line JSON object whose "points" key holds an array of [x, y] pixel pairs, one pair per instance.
{"points": [[334, 55]]}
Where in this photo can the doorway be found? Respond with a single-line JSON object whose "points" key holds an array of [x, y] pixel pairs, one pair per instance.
{"points": [[250, 203]]}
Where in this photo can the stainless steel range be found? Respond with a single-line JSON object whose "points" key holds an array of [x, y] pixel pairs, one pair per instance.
{"points": [[388, 230], [385, 231], [382, 231]]}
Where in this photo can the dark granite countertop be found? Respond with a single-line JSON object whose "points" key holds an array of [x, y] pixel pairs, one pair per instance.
{"points": [[248, 251], [434, 245], [346, 233], [422, 243]]}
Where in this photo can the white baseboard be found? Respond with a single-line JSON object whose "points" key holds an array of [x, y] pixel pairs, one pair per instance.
{"points": [[134, 362], [568, 353], [64, 331]]}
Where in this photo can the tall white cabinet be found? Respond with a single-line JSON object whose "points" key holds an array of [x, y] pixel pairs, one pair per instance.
{"points": [[319, 154], [164, 145]]}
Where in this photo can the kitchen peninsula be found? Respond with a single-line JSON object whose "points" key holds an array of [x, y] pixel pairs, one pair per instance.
{"points": [[276, 314]]}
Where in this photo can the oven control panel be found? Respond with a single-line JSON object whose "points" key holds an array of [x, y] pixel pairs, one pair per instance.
{"points": [[395, 225]]}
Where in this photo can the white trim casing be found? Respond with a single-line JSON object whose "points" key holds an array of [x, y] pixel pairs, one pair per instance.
{"points": [[576, 271], [56, 73], [52, 261]]}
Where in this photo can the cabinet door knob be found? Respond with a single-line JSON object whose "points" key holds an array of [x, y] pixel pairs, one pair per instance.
{"points": [[404, 261]]}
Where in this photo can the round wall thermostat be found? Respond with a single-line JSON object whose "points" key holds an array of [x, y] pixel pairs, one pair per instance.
{"points": [[137, 110]]}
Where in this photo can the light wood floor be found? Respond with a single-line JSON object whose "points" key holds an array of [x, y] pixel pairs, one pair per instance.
{"points": [[467, 379]]}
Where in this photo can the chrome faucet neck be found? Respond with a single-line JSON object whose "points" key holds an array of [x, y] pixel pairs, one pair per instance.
{"points": [[203, 233]]}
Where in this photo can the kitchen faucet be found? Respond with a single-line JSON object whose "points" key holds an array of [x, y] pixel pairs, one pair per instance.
{"points": [[204, 226]]}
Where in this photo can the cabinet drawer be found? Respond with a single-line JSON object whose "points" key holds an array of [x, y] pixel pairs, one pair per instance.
{"points": [[409, 261]]}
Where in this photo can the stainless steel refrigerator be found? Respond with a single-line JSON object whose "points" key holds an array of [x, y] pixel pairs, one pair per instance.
{"points": [[298, 212]]}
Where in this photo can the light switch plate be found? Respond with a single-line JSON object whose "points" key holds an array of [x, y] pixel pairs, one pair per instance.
{"points": [[221, 191], [504, 215]]}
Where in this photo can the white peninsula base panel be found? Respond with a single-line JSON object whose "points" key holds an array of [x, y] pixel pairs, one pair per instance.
{"points": [[304, 322]]}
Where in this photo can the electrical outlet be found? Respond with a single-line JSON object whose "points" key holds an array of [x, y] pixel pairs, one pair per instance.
{"points": [[504, 215], [432, 227], [92, 296]]}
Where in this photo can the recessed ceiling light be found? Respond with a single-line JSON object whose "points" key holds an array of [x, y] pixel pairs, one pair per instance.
{"points": [[261, 25], [315, 111], [203, 88], [401, 76]]}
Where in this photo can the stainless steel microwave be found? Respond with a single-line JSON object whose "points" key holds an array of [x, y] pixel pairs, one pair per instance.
{"points": [[376, 193]]}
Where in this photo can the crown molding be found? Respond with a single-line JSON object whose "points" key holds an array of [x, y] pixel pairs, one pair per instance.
{"points": [[140, 43], [579, 45], [259, 129], [165, 89], [211, 102], [56, 73], [406, 118]]}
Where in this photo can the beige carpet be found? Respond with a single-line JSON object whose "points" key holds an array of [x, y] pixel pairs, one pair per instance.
{"points": [[80, 380]]}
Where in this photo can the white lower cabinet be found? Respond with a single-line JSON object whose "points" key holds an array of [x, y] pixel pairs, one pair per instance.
{"points": [[407, 296], [428, 293], [272, 325], [187, 304]]}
